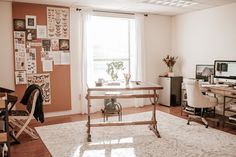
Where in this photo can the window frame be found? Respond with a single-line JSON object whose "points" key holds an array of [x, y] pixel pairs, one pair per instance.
{"points": [[129, 17]]}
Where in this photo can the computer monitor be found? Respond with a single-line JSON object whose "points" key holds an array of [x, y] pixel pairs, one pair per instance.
{"points": [[225, 69], [203, 71]]}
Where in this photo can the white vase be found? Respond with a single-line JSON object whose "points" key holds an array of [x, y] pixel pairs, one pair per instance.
{"points": [[171, 74]]}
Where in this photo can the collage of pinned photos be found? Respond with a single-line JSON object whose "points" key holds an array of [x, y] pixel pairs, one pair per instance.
{"points": [[58, 22], [50, 42]]}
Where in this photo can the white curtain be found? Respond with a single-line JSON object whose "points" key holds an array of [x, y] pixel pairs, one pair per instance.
{"points": [[87, 56], [76, 49], [140, 47], [139, 59]]}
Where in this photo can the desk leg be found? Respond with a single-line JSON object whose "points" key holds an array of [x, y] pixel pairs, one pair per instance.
{"points": [[224, 112], [7, 127], [153, 127], [88, 123]]}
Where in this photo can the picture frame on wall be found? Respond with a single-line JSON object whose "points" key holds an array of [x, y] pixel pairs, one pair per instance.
{"points": [[30, 22], [64, 44], [19, 24]]}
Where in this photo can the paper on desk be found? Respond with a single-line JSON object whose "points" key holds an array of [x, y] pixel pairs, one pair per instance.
{"points": [[47, 65]]}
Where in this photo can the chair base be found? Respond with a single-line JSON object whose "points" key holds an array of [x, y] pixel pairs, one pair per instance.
{"points": [[204, 120], [21, 125], [197, 117]]}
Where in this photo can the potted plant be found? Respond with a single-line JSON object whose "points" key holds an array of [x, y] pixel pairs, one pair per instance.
{"points": [[114, 68], [170, 62]]}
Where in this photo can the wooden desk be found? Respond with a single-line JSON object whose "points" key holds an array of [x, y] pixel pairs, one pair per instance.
{"points": [[133, 86], [226, 92]]}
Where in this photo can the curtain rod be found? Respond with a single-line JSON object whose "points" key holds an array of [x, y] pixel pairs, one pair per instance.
{"points": [[115, 12]]}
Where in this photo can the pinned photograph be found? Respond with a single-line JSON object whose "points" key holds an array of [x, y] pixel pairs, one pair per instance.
{"points": [[46, 44], [19, 24], [55, 44], [64, 44], [31, 61], [43, 80], [41, 31], [58, 20], [30, 22], [20, 77], [31, 34]]}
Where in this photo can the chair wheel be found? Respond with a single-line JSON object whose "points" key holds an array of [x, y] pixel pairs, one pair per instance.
{"points": [[206, 126], [188, 123]]}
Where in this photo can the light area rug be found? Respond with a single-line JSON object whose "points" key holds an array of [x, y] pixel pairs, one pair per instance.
{"points": [[177, 139]]}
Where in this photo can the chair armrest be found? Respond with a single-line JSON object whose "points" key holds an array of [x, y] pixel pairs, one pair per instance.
{"points": [[213, 99], [210, 101]]}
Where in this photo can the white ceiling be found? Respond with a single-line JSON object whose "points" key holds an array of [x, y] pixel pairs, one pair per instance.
{"points": [[136, 6]]}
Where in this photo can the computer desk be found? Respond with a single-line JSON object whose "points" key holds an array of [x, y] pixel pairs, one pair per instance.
{"points": [[225, 92]]}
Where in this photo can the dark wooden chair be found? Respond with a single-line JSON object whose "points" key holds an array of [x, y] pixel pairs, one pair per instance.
{"points": [[112, 108]]}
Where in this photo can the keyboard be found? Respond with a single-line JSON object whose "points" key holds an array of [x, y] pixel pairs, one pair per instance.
{"points": [[215, 85]]}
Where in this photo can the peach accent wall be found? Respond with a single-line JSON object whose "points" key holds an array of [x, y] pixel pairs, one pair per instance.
{"points": [[59, 77]]}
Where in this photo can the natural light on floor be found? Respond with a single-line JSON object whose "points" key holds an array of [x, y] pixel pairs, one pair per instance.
{"points": [[116, 152], [115, 141], [117, 148]]}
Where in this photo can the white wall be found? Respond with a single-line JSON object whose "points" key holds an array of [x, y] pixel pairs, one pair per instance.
{"points": [[157, 38], [6, 48], [158, 45], [203, 36]]}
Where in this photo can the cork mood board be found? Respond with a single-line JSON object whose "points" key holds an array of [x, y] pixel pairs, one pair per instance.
{"points": [[42, 53]]}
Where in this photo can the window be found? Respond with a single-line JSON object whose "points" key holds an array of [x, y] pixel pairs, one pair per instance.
{"points": [[112, 40]]}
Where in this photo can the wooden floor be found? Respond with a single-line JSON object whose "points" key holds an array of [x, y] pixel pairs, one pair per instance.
{"points": [[36, 148]]}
